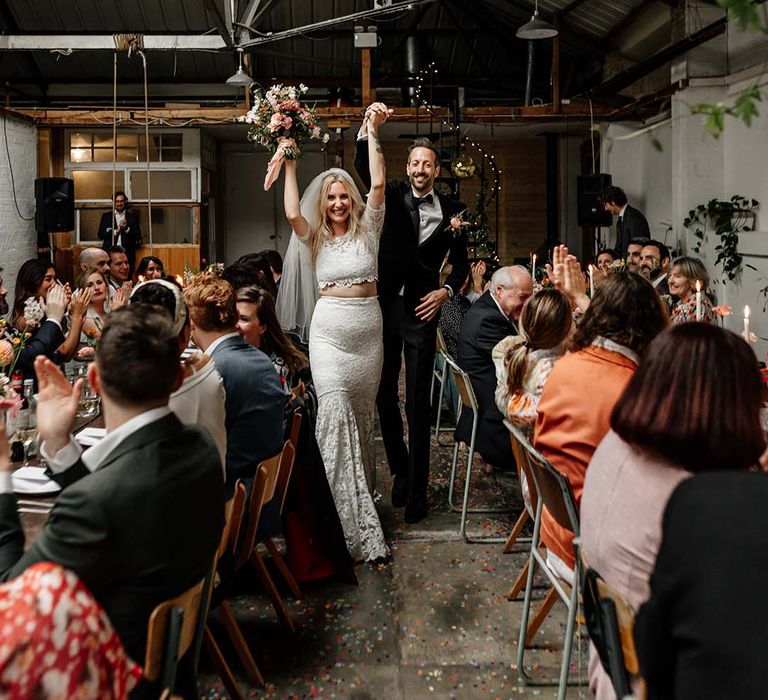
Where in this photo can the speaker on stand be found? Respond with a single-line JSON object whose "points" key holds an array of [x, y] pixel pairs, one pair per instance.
{"points": [[54, 209]]}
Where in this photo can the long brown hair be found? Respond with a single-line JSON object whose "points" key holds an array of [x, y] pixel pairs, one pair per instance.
{"points": [[695, 400], [545, 322], [274, 339], [625, 309], [322, 232]]}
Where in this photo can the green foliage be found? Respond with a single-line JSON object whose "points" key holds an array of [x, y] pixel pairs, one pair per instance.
{"points": [[745, 13], [728, 218]]}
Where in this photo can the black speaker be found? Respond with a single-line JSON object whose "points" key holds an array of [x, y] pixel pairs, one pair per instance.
{"points": [[55, 204], [590, 209]]}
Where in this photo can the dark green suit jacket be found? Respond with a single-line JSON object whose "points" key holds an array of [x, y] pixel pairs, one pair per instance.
{"points": [[140, 529]]}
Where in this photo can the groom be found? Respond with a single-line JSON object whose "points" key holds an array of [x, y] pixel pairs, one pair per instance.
{"points": [[416, 238]]}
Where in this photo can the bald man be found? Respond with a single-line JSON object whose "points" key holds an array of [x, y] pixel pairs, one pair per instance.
{"points": [[492, 318], [94, 257]]}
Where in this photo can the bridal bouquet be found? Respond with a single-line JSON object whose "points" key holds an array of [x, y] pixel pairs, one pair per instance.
{"points": [[280, 114]]}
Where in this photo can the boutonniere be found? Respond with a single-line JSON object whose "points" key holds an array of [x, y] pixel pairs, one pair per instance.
{"points": [[457, 223]]}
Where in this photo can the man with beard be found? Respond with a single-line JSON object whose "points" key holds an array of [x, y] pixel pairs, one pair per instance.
{"points": [[417, 237], [634, 249], [120, 227], [654, 265]]}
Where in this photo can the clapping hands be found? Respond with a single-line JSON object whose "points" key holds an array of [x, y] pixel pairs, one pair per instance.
{"points": [[566, 274]]}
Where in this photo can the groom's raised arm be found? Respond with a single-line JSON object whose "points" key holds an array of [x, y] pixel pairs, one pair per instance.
{"points": [[362, 162]]}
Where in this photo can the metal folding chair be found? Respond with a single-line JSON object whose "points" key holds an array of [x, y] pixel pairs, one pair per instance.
{"points": [[467, 398], [554, 492]]}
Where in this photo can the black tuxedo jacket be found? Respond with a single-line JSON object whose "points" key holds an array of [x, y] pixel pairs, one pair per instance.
{"points": [[45, 341], [138, 530], [703, 632], [484, 326], [402, 261], [632, 225], [130, 237]]}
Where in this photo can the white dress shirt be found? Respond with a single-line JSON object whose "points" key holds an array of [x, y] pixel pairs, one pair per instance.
{"points": [[430, 216], [219, 341]]}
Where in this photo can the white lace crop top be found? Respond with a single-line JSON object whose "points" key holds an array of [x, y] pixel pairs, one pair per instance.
{"points": [[344, 261]]}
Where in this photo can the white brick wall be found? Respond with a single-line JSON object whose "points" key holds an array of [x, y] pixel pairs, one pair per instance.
{"points": [[18, 241]]}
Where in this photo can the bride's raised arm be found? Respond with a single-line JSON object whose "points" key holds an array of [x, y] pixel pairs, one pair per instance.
{"points": [[292, 201], [374, 118]]}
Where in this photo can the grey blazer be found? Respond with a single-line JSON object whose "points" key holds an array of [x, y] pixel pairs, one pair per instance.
{"points": [[141, 528], [254, 402]]}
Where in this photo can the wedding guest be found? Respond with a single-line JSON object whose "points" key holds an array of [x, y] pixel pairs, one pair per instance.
{"points": [[667, 425], [94, 257], [260, 262], [40, 307], [95, 281], [258, 324], [524, 362], [682, 280], [200, 400], [630, 222], [58, 642], [654, 265], [120, 228], [275, 261], [701, 634], [634, 251], [140, 514], [246, 274], [119, 267], [149, 268], [625, 315], [605, 259], [492, 318], [254, 398]]}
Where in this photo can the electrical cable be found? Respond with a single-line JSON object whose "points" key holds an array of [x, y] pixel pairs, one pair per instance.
{"points": [[10, 170]]}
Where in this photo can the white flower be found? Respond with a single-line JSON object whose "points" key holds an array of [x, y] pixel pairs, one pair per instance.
{"points": [[316, 133], [33, 312], [326, 137], [292, 93], [303, 88]]}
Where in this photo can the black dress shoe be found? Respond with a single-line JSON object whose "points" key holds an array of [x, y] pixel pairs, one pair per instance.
{"points": [[399, 491], [416, 509]]}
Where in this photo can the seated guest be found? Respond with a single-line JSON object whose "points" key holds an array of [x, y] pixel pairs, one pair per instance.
{"points": [[682, 280], [702, 632], [94, 257], [654, 265], [35, 284], [605, 260], [95, 281], [241, 275], [141, 512], [524, 362], [259, 261], [634, 251], [149, 268], [200, 398], [253, 393], [491, 319], [57, 641], [119, 267], [624, 316], [666, 425], [257, 323], [275, 261]]}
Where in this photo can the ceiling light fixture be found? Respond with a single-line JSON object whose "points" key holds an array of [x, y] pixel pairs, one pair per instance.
{"points": [[240, 78], [537, 28]]}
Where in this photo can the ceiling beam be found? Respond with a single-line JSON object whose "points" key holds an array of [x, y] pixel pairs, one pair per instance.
{"points": [[570, 7], [106, 42], [639, 70], [219, 16]]}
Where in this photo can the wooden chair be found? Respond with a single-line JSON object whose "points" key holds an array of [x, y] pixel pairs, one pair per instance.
{"points": [[227, 545], [554, 491], [610, 620], [440, 375], [170, 634], [466, 399], [263, 491]]}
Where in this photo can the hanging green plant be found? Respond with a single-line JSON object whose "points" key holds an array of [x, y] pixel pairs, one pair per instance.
{"points": [[727, 218]]}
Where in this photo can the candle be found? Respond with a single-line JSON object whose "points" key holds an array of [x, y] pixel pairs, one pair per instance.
{"points": [[591, 281], [698, 300], [746, 334], [533, 268]]}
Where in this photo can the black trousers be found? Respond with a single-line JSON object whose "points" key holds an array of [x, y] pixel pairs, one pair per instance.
{"points": [[406, 336]]}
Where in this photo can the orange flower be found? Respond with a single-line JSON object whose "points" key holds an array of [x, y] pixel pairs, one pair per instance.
{"points": [[16, 340], [6, 353]]}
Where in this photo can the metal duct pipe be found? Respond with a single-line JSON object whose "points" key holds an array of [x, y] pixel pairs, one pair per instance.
{"points": [[529, 74]]}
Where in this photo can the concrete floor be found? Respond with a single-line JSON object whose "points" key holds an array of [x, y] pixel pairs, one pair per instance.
{"points": [[432, 623]]}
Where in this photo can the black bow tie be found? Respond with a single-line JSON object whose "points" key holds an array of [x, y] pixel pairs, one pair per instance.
{"points": [[418, 201]]}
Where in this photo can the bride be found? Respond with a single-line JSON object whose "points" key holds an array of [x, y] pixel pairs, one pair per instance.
{"points": [[336, 236]]}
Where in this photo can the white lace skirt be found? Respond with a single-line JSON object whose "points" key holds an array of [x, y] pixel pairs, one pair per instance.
{"points": [[345, 347]]}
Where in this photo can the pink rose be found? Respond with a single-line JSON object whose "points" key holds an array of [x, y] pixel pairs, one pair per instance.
{"points": [[276, 122]]}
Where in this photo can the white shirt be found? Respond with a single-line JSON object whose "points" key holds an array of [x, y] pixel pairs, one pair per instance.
{"points": [[623, 209], [219, 341], [430, 216], [96, 455]]}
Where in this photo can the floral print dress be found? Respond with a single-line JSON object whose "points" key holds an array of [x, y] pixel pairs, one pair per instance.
{"points": [[685, 311]]}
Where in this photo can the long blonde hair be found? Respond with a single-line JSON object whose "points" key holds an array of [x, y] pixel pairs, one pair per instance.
{"points": [[321, 231], [545, 323]]}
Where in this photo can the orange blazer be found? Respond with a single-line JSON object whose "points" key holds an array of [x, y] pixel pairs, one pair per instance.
{"points": [[573, 417]]}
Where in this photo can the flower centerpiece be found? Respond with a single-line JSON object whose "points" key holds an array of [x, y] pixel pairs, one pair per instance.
{"points": [[280, 114], [12, 342]]}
